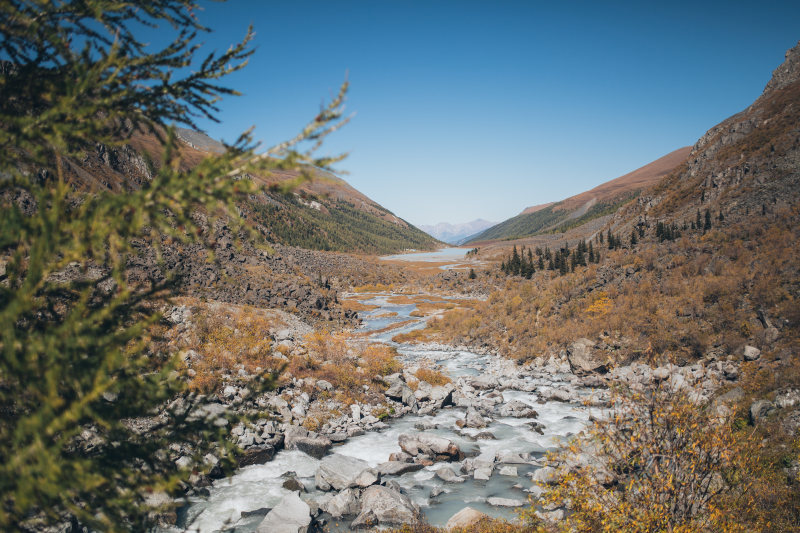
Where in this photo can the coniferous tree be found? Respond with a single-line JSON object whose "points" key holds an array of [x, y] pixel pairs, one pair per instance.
{"points": [[74, 358], [634, 241], [707, 225]]}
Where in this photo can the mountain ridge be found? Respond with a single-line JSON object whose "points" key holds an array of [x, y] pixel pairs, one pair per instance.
{"points": [[601, 200], [456, 233], [325, 213]]}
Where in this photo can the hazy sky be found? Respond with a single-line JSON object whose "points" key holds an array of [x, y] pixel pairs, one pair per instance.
{"points": [[478, 109]]}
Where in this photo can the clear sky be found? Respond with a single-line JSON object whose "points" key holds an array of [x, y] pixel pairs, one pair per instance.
{"points": [[468, 109]]}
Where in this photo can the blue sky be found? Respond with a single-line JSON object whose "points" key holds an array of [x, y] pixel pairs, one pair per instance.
{"points": [[478, 109]]}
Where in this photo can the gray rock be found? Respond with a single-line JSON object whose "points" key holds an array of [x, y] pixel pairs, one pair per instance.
{"points": [[401, 392], [294, 484], [339, 472], [465, 518], [771, 334], [423, 391], [396, 468], [787, 398], [315, 445], [257, 455], [546, 474], [505, 502], [338, 436], [425, 443], [345, 503], [447, 475], [367, 477], [355, 412], [484, 382], [482, 473], [324, 385], [551, 516], [661, 373], [278, 403], [436, 491], [291, 515], [561, 395], [513, 458], [518, 409], [383, 505], [750, 353], [473, 419], [759, 410], [508, 471], [442, 395], [582, 358]]}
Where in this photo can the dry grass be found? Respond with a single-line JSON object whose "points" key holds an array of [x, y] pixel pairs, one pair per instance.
{"points": [[432, 376]]}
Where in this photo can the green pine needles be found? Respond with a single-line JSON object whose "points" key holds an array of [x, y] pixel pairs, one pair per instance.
{"points": [[87, 409]]}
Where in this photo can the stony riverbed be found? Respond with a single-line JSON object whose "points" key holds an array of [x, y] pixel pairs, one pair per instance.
{"points": [[510, 416]]}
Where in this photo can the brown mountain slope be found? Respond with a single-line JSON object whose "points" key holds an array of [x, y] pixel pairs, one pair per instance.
{"points": [[325, 213], [584, 207], [638, 179]]}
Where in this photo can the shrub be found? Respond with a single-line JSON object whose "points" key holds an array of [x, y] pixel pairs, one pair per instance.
{"points": [[659, 463]]}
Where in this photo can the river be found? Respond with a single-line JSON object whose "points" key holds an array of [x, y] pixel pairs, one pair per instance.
{"points": [[260, 486]]}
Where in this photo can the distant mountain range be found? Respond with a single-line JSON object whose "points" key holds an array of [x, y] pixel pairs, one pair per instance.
{"points": [[457, 233]]}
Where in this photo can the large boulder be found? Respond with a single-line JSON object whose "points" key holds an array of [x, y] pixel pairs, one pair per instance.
{"points": [[383, 505], [427, 444], [257, 455], [464, 518], [315, 445], [583, 359], [401, 392], [442, 395], [473, 419], [341, 472], [518, 409], [484, 381], [447, 475], [345, 503], [750, 353], [760, 410], [291, 515]]}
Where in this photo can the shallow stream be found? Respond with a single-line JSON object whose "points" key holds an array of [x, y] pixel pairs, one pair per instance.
{"points": [[260, 486]]}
